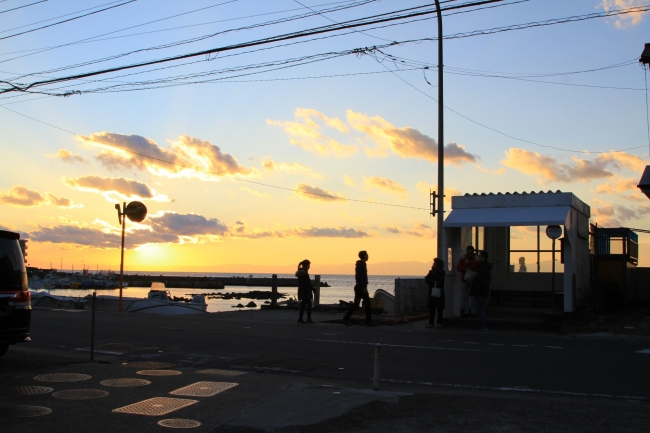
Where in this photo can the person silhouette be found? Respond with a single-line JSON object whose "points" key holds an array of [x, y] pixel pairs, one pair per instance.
{"points": [[305, 290], [522, 264]]}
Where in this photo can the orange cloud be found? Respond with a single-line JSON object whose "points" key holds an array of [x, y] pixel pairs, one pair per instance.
{"points": [[317, 194], [349, 181], [385, 184], [67, 156], [405, 142], [25, 197], [242, 230], [613, 215], [306, 133], [189, 157], [620, 185], [114, 188], [418, 230], [294, 167], [628, 20], [255, 192]]}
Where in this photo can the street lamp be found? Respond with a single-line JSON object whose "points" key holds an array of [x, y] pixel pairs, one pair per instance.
{"points": [[644, 183], [135, 211]]}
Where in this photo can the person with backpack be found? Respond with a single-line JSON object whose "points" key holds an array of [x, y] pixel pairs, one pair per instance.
{"points": [[480, 288], [360, 290], [305, 290], [435, 279]]}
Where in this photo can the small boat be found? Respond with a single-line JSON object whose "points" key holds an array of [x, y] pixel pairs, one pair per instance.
{"points": [[159, 302], [388, 298]]}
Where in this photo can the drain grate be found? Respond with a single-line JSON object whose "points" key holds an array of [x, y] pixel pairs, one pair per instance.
{"points": [[62, 377], [23, 411], [204, 389], [125, 382], [179, 423], [222, 372], [153, 365], [80, 394], [25, 390], [159, 373], [156, 406]]}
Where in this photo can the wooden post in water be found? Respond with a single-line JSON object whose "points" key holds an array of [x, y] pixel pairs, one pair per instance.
{"points": [[316, 291], [274, 290]]}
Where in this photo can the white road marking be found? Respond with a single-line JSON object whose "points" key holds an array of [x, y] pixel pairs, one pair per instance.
{"points": [[495, 344], [469, 342], [392, 345], [519, 345], [520, 389], [643, 351], [554, 347], [446, 340], [325, 333]]}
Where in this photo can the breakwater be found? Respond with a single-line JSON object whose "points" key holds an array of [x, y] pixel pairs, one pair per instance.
{"points": [[170, 281]]}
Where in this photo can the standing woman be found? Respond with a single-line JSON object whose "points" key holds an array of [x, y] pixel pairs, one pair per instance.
{"points": [[436, 278], [305, 290]]}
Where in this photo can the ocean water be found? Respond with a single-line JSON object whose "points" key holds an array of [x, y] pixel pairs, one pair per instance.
{"points": [[342, 288]]}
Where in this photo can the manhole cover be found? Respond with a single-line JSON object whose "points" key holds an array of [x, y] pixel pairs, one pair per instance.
{"points": [[125, 383], [149, 364], [159, 373], [80, 394], [203, 389], [23, 411], [62, 377], [179, 423], [156, 406], [222, 372], [25, 390]]}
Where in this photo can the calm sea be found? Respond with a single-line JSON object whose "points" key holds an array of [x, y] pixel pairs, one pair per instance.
{"points": [[341, 289]]}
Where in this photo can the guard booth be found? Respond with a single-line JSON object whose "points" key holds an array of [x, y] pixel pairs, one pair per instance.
{"points": [[616, 256], [511, 228]]}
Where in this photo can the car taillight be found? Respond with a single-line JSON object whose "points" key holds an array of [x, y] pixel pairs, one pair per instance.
{"points": [[21, 301]]}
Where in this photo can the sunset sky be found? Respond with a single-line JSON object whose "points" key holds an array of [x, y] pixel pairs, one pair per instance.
{"points": [[238, 151]]}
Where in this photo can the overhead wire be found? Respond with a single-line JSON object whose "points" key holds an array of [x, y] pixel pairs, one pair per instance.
{"points": [[68, 20], [223, 175], [23, 6]]}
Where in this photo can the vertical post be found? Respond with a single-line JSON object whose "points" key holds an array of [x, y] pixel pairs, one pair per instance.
{"points": [[92, 329], [441, 143], [316, 291], [122, 257], [375, 378], [538, 253], [553, 277], [274, 290]]}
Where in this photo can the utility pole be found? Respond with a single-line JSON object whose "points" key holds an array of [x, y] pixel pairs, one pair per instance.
{"points": [[441, 143]]}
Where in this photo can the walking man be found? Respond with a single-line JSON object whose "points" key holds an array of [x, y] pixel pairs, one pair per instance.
{"points": [[360, 290], [467, 263], [481, 289]]}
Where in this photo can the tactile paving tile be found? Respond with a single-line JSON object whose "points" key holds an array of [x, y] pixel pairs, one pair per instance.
{"points": [[149, 365], [80, 394], [222, 372], [179, 423], [204, 389], [23, 411], [159, 373], [156, 406], [25, 390], [125, 382], [62, 377]]}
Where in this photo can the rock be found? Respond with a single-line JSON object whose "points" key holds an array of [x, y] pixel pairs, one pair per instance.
{"points": [[251, 304], [238, 306]]}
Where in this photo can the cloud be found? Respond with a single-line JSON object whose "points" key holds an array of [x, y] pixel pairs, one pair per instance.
{"points": [[385, 184], [242, 230], [23, 196], [547, 168], [291, 168], [255, 192], [349, 181], [306, 133], [188, 157], [111, 187], [405, 142], [627, 20], [67, 156], [613, 215], [162, 227], [620, 185], [622, 160], [8, 227], [317, 194], [418, 230]]}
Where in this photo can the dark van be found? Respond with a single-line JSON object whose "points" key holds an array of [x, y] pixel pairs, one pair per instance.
{"points": [[15, 301]]}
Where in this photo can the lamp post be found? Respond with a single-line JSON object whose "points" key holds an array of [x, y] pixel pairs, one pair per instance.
{"points": [[441, 140], [135, 211]]}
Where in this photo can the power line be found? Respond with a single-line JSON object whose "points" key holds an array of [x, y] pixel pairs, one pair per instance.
{"points": [[68, 20], [24, 6], [279, 38], [222, 175]]}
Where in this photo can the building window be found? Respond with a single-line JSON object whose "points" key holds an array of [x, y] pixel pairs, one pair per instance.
{"points": [[530, 250], [478, 238]]}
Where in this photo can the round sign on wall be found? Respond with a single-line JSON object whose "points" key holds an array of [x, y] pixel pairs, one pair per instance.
{"points": [[554, 232]]}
